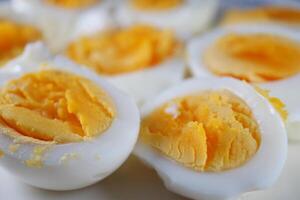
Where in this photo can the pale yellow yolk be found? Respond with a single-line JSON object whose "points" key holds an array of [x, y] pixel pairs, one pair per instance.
{"points": [[287, 15], [14, 37], [156, 4], [209, 131], [54, 106], [123, 51], [73, 4], [254, 57]]}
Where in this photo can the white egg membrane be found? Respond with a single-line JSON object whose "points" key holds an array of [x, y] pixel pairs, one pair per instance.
{"points": [[259, 172], [286, 89], [187, 20], [58, 23], [142, 84], [96, 158]]}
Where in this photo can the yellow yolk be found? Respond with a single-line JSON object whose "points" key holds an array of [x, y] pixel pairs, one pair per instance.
{"points": [[209, 131], [123, 51], [14, 37], [72, 4], [254, 57], [156, 4], [287, 15], [54, 106]]}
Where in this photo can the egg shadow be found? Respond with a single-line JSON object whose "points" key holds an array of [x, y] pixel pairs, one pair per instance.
{"points": [[133, 180]]}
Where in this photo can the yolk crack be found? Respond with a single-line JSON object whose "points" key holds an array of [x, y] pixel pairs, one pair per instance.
{"points": [[122, 51], [211, 131], [55, 106], [14, 37], [254, 57]]}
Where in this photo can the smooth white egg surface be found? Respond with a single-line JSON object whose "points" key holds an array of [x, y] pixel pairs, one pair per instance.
{"points": [[58, 21], [285, 88], [260, 172], [68, 166], [186, 19]]}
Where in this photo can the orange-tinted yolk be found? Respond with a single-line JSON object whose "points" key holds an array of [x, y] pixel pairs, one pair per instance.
{"points": [[209, 131], [287, 15], [122, 51], [156, 4], [73, 4], [14, 37], [254, 57], [54, 106]]}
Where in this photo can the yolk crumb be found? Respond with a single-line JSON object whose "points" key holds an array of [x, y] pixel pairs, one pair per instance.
{"points": [[156, 4], [72, 4], [54, 106], [211, 131], [287, 15], [122, 51], [14, 37], [254, 57]]}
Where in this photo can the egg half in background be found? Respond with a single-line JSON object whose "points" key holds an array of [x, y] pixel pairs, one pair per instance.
{"points": [[57, 18], [16, 31], [285, 13], [212, 138], [80, 131], [142, 60], [185, 17], [265, 55]]}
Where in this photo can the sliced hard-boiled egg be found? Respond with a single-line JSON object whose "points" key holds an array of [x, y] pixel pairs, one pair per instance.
{"points": [[185, 17], [212, 138], [283, 13], [265, 55], [62, 127], [141, 59], [58, 18], [16, 32]]}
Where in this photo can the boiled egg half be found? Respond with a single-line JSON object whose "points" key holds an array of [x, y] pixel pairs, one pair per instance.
{"points": [[62, 127]]}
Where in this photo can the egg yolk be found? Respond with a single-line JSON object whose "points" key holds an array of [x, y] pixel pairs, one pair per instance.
{"points": [[14, 37], [208, 131], [122, 51], [72, 4], [254, 57], [287, 15], [54, 106], [156, 4]]}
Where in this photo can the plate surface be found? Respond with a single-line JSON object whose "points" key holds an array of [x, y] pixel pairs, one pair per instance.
{"points": [[136, 181]]}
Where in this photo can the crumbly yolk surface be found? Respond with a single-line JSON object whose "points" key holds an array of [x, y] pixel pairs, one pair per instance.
{"points": [[209, 131], [156, 4], [287, 15], [73, 4], [14, 37], [54, 106], [254, 57], [123, 51]]}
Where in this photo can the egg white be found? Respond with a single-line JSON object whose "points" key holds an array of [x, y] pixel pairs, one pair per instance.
{"points": [[186, 20], [57, 23], [286, 89], [267, 162], [96, 158]]}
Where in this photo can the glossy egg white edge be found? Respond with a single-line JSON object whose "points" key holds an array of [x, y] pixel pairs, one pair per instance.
{"points": [[260, 172], [141, 84], [58, 24], [96, 159], [285, 89], [187, 20]]}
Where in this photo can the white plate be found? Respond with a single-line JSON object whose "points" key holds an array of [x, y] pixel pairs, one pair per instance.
{"points": [[136, 181]]}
